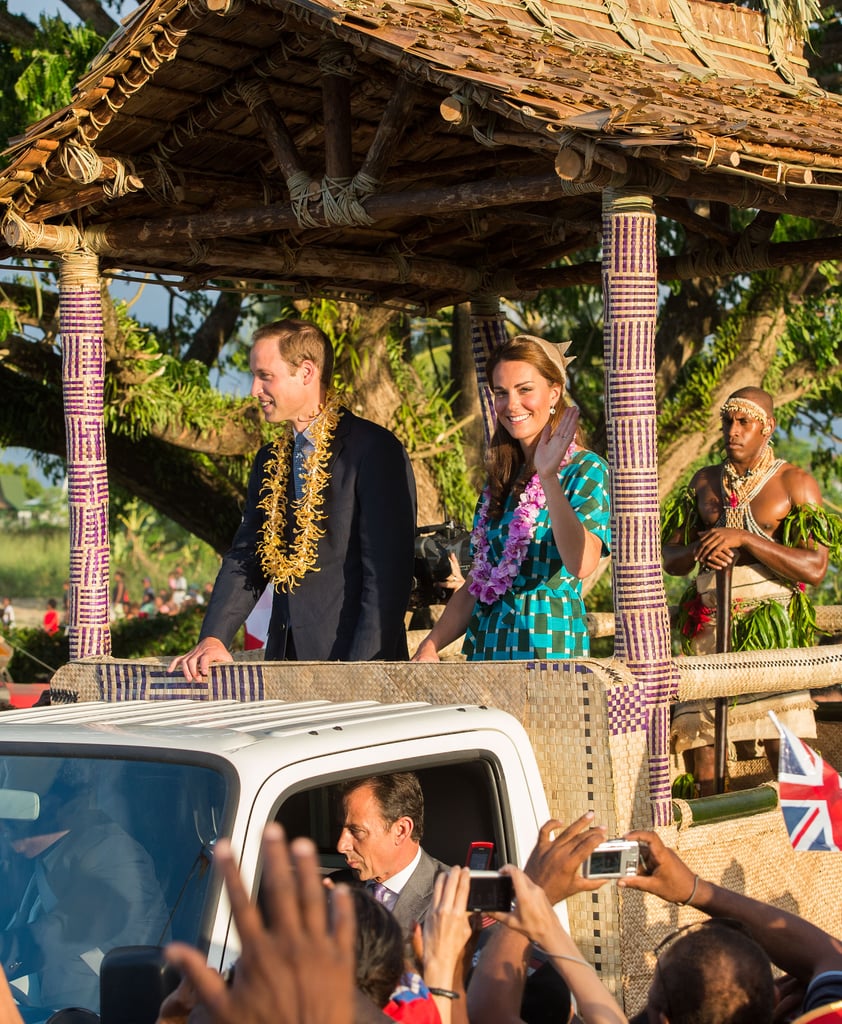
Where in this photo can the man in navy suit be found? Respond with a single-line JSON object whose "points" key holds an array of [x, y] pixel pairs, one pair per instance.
{"points": [[329, 521], [381, 840]]}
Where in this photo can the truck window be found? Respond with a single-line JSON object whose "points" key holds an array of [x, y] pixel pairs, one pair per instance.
{"points": [[98, 853], [461, 806]]}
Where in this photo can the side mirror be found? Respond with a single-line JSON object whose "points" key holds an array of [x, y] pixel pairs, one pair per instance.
{"points": [[133, 982]]}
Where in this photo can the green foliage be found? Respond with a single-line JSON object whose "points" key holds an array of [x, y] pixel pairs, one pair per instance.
{"points": [[679, 513], [32, 487], [33, 563], [169, 393], [37, 655], [428, 426], [37, 80]]}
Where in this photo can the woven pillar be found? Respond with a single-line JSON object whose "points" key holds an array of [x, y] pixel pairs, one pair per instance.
{"points": [[488, 331], [642, 637], [83, 374]]}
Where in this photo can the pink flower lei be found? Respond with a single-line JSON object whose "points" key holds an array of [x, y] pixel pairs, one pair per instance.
{"points": [[489, 582]]}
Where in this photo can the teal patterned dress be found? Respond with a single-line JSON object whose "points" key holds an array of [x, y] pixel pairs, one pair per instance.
{"points": [[543, 615]]}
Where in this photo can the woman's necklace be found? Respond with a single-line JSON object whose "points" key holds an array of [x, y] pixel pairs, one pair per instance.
{"points": [[284, 565], [489, 582]]}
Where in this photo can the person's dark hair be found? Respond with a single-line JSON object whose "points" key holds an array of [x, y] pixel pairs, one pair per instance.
{"points": [[379, 948], [398, 795], [51, 603], [714, 975], [504, 459], [299, 340]]}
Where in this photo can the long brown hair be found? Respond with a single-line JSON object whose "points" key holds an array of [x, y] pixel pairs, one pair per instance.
{"points": [[504, 459]]}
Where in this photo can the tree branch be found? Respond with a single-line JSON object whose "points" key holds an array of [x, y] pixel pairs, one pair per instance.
{"points": [[94, 14], [216, 330]]}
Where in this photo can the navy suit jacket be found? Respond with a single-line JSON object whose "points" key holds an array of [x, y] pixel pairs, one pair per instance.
{"points": [[353, 607]]}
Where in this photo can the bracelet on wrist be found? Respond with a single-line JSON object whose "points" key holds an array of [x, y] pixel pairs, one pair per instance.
{"points": [[691, 897], [445, 993]]}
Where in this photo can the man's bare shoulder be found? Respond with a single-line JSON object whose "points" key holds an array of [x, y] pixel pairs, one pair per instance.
{"points": [[801, 485], [707, 477]]}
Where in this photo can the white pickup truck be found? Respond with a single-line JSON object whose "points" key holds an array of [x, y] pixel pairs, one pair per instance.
{"points": [[176, 775]]}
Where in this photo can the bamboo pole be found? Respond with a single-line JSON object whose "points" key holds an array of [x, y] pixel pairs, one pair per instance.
{"points": [[643, 630], [83, 376]]}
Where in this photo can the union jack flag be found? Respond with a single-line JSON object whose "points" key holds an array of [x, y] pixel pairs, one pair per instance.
{"points": [[810, 795]]}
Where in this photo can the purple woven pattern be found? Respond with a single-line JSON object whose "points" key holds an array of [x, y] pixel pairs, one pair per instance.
{"points": [[487, 332], [83, 374], [139, 681], [627, 710], [642, 640], [659, 774], [240, 681], [143, 681]]}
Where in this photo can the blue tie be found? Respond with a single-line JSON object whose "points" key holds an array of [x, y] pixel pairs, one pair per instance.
{"points": [[299, 454]]}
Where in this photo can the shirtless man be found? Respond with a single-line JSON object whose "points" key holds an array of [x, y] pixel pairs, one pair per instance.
{"points": [[736, 519]]}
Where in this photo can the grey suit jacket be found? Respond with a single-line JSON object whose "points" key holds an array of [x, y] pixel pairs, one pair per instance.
{"points": [[414, 899]]}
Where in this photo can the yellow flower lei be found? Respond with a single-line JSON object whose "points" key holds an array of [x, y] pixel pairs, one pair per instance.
{"points": [[286, 569]]}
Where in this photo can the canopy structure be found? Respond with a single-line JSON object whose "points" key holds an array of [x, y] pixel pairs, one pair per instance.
{"points": [[416, 155]]}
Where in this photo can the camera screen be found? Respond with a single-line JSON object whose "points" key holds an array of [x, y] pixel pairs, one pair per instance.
{"points": [[606, 862], [490, 891]]}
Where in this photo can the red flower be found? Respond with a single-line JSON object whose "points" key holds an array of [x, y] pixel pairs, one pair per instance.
{"points": [[698, 616]]}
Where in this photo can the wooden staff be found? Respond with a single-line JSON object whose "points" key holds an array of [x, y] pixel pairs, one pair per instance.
{"points": [[723, 646]]}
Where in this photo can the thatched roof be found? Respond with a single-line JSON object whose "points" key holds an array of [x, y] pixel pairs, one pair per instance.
{"points": [[418, 153]]}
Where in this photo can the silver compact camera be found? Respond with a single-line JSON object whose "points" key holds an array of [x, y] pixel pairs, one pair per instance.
{"points": [[615, 858]]}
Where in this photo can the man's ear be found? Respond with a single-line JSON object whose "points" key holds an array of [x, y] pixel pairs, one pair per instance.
{"points": [[402, 829], [308, 370]]}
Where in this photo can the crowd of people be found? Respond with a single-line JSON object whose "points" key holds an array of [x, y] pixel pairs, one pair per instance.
{"points": [[314, 952], [176, 596], [394, 937]]}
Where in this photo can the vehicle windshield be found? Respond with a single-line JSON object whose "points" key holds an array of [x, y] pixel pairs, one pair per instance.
{"points": [[97, 853]]}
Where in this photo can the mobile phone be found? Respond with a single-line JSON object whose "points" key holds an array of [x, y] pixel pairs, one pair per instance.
{"points": [[615, 858], [489, 890], [480, 856]]}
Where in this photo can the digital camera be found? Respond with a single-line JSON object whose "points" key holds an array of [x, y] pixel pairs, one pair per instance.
{"points": [[615, 858]]}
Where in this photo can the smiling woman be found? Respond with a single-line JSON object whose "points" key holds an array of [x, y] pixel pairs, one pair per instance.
{"points": [[541, 524]]}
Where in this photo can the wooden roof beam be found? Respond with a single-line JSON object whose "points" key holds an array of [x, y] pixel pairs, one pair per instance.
{"points": [[337, 65], [718, 262], [259, 101], [389, 131], [282, 217]]}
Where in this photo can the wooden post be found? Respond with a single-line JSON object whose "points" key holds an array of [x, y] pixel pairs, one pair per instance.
{"points": [[83, 375], [629, 271], [723, 646], [488, 331]]}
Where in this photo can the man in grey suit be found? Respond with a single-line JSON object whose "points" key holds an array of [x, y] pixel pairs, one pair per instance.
{"points": [[381, 841], [329, 521]]}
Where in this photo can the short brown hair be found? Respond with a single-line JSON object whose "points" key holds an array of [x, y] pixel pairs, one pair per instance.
{"points": [[299, 340], [397, 795]]}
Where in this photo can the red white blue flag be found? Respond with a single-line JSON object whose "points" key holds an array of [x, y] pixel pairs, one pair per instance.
{"points": [[810, 794]]}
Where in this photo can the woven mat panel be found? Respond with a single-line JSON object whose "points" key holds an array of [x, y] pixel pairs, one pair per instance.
{"points": [[751, 855], [829, 617], [828, 743], [724, 675]]}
